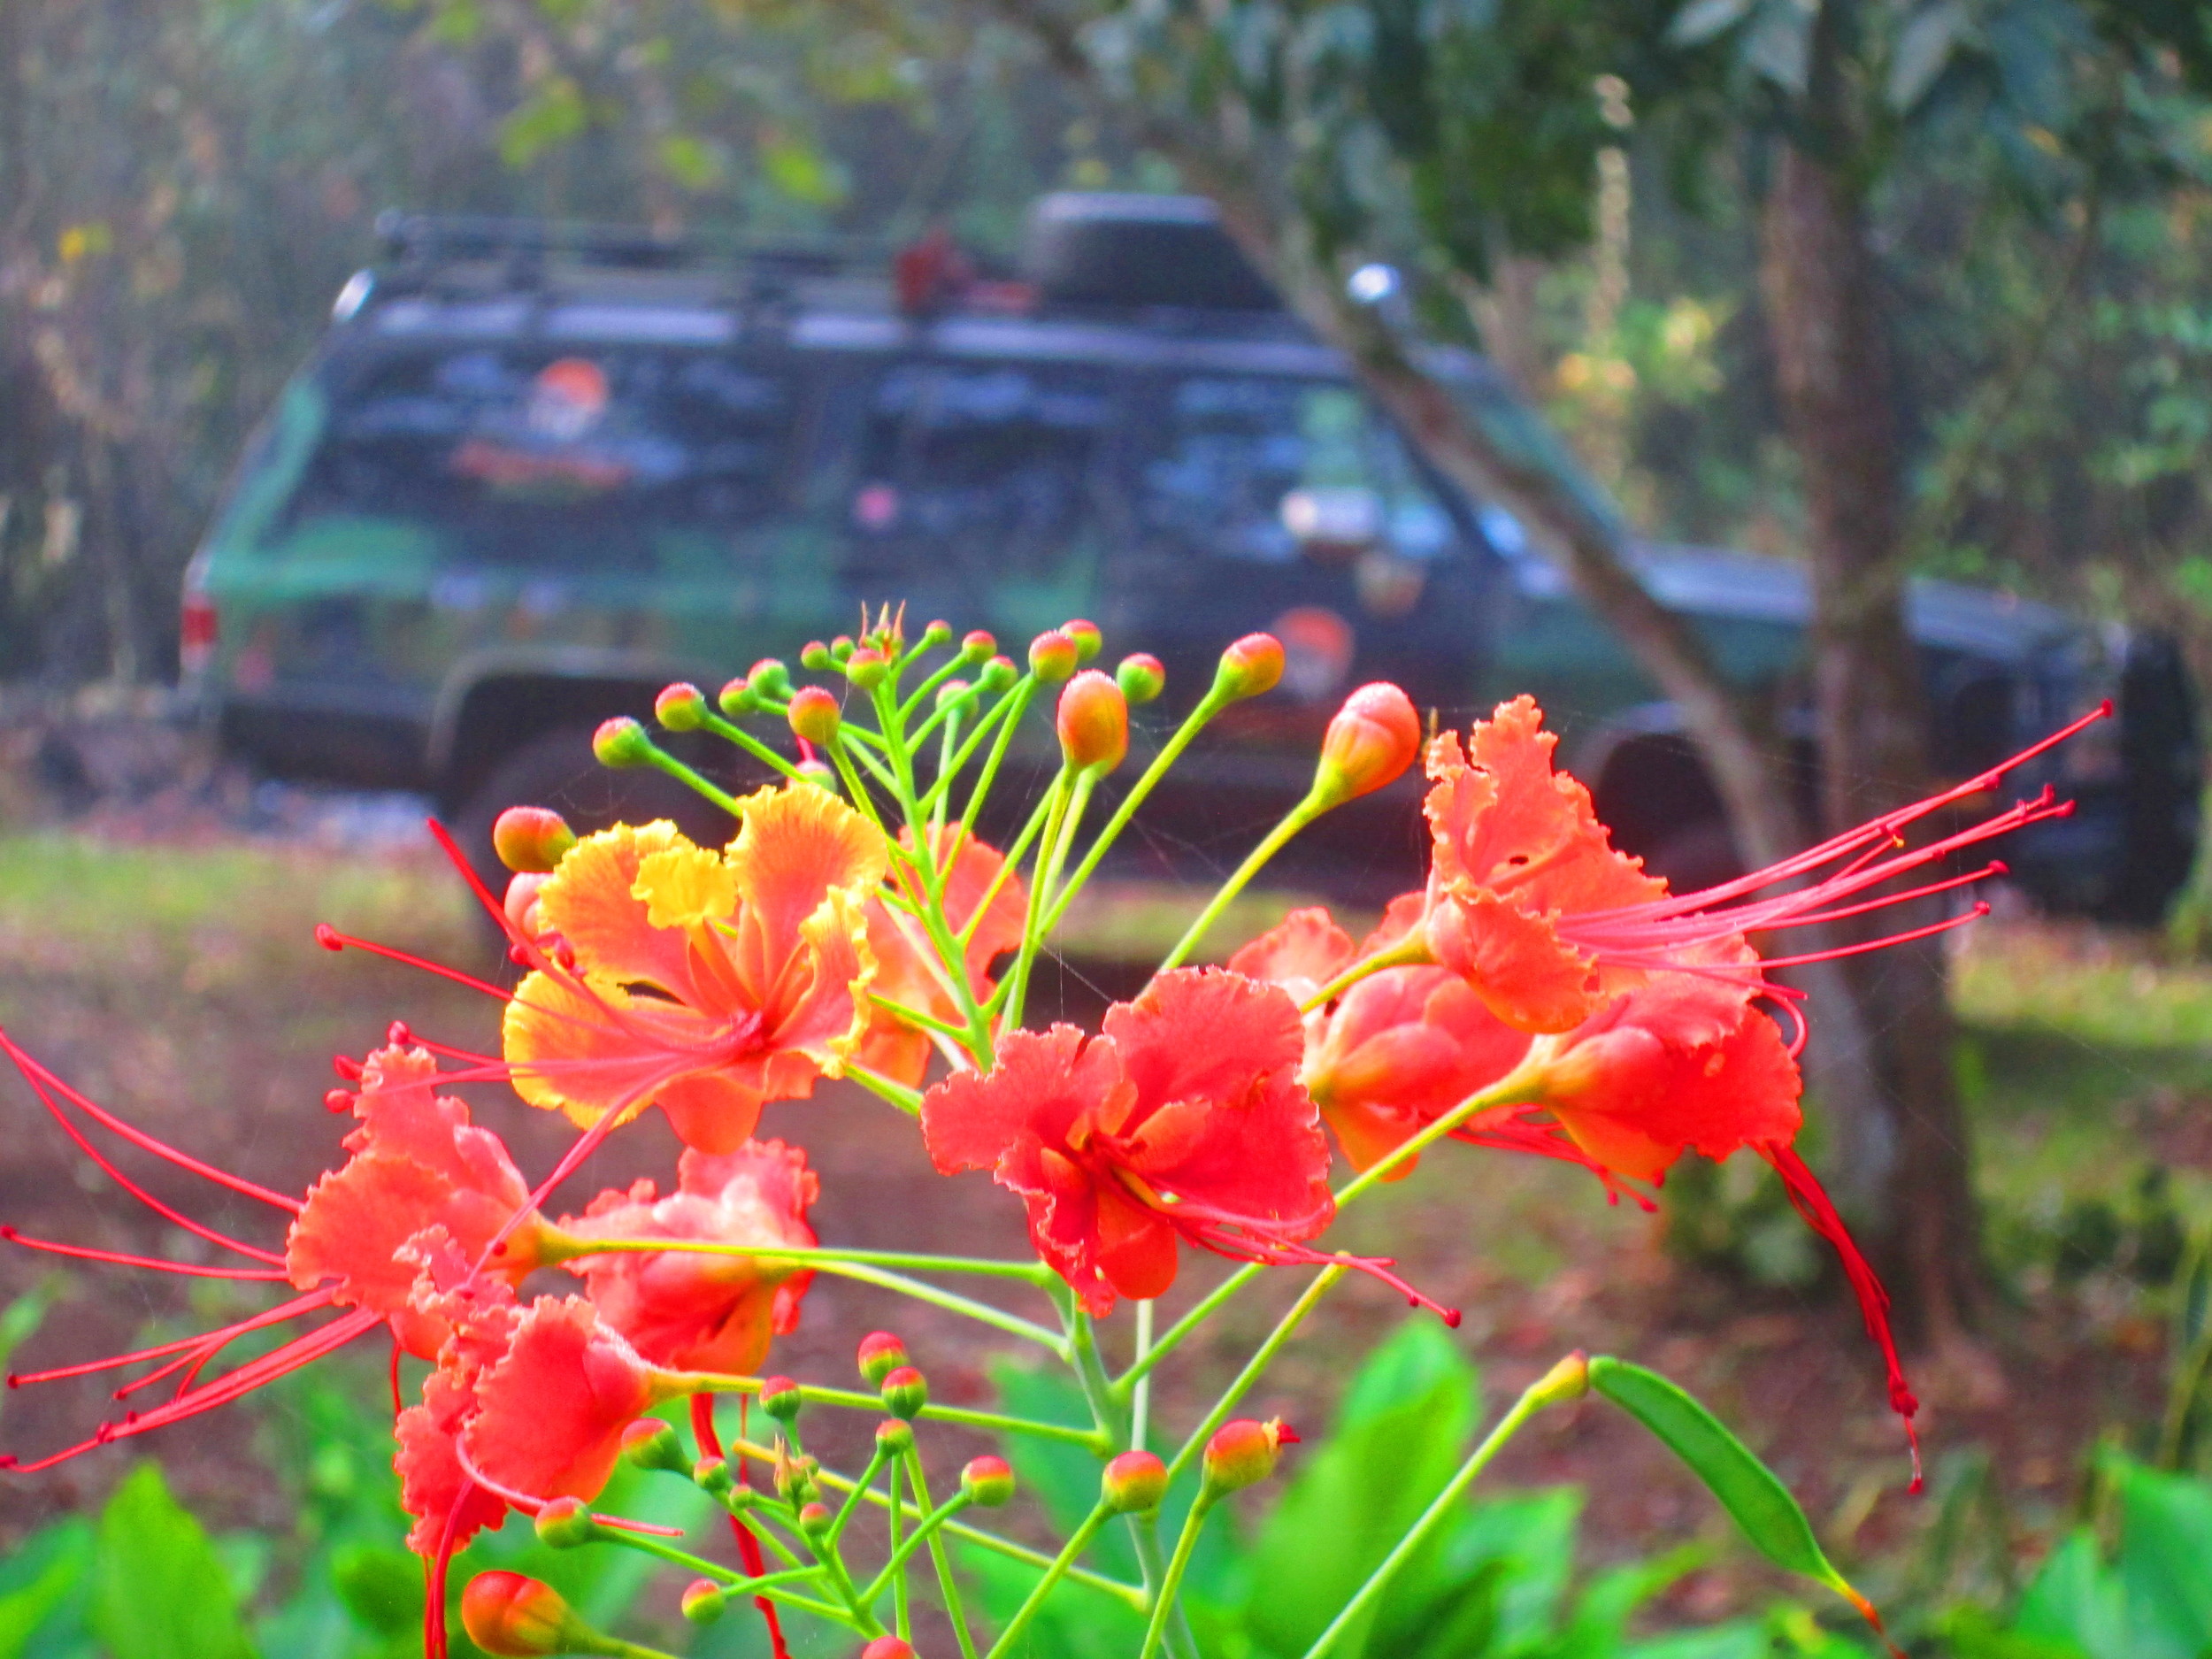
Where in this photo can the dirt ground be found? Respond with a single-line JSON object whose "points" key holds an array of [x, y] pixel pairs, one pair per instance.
{"points": [[157, 950]]}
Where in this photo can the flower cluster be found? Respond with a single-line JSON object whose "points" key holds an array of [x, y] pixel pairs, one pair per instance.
{"points": [[1539, 992]]}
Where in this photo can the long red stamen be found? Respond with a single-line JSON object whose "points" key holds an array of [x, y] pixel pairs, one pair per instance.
{"points": [[1242, 1238], [1516, 1133], [1811, 1200], [139, 1138], [330, 939], [277, 1315], [748, 1549], [434, 1637], [85, 1253]]}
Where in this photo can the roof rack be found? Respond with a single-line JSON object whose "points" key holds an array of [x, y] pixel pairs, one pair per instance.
{"points": [[424, 241]]}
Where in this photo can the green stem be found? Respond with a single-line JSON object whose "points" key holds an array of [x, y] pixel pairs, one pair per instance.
{"points": [[1013, 857], [887, 1088], [1569, 1379], [1141, 1402], [1015, 702], [1077, 1543], [1185, 1327], [1522, 1084], [901, 1617], [714, 1382], [915, 1017], [925, 1529], [1297, 819], [1017, 987], [770, 1585], [1028, 1272], [946, 1584], [1411, 951], [1194, 723], [662, 761], [1004, 711], [1262, 1358], [1164, 1600], [731, 734], [851, 1505]]}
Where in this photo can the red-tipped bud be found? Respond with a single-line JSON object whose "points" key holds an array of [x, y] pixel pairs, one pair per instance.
{"points": [[531, 840], [1250, 667], [779, 1398], [1243, 1453], [880, 1354], [681, 707], [505, 1613], [1141, 676], [650, 1443], [977, 645], [737, 699], [905, 1392], [713, 1475], [1371, 742], [564, 1523], [814, 715], [840, 649], [816, 1519], [951, 691], [894, 1437], [1134, 1483], [1086, 637], [887, 1647], [818, 773], [769, 678], [989, 1482], [1092, 722], [621, 743], [866, 668], [704, 1601], [1053, 657], [998, 674], [935, 635]]}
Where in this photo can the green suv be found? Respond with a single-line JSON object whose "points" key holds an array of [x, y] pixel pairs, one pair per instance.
{"points": [[533, 474]]}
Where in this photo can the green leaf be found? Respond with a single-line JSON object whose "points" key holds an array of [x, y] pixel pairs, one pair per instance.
{"points": [[2076, 1602], [52, 1562], [1746, 1488], [1401, 1431], [2165, 1560], [160, 1591], [802, 172], [380, 1587]]}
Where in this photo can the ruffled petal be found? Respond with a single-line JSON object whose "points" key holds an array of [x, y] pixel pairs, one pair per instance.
{"points": [[550, 1414], [1204, 1034], [430, 1475], [823, 1012], [1301, 953], [1042, 1082], [585, 1054], [591, 902], [1515, 961], [798, 844]]}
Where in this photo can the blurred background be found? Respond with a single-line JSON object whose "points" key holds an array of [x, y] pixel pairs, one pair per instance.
{"points": [[1623, 207]]}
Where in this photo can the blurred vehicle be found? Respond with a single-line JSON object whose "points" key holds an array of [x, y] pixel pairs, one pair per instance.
{"points": [[534, 473]]}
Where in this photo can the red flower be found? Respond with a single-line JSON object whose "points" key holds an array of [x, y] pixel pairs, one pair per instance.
{"points": [[705, 982], [697, 1311], [907, 970], [1183, 1120], [417, 1163]]}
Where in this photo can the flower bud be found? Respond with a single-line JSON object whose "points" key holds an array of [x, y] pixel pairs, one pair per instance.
{"points": [[841, 649], [818, 773], [1248, 667], [1371, 742], [814, 715], [894, 1437], [779, 1398], [681, 707], [867, 667], [737, 699], [713, 1477], [1242, 1453], [887, 1647], [650, 1443], [704, 1601], [814, 655], [770, 678], [1134, 1483], [1141, 676], [1053, 657], [520, 900], [951, 691], [507, 1614], [935, 635], [880, 1354], [905, 1392], [531, 840], [564, 1523], [816, 1519], [998, 674], [1093, 724], [1086, 637], [978, 646], [988, 1480], [621, 743]]}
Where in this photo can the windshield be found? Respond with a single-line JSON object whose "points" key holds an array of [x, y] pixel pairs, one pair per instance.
{"points": [[541, 455]]}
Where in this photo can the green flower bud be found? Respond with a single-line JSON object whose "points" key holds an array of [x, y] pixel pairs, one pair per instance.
{"points": [[818, 773], [621, 743], [1249, 666], [564, 1523], [816, 1519], [880, 1354], [867, 668], [507, 1614], [1242, 1453], [779, 1398], [998, 675], [814, 716], [978, 646], [1053, 657], [1134, 1483], [905, 1392], [988, 1480], [769, 678], [1141, 676], [1086, 637], [737, 699], [531, 840], [650, 1443], [681, 707], [1371, 742], [841, 650], [704, 1601], [935, 635], [814, 655], [951, 691], [1093, 721], [712, 1476]]}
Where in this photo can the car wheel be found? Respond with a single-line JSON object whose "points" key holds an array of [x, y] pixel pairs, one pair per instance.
{"points": [[557, 769]]}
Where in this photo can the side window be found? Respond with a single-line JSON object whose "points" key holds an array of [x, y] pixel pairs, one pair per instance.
{"points": [[1239, 465], [991, 468]]}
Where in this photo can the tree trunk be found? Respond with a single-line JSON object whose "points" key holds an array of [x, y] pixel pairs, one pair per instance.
{"points": [[1908, 1168]]}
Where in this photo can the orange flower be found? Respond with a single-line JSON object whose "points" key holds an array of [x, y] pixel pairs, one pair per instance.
{"points": [[907, 970], [706, 983], [695, 1311]]}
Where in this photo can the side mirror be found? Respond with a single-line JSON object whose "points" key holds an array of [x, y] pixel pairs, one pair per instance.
{"points": [[1335, 523]]}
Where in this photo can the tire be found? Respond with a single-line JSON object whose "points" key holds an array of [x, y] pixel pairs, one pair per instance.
{"points": [[557, 769]]}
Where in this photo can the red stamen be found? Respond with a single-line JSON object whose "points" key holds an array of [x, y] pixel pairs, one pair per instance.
{"points": [[347, 1067], [398, 1404], [434, 1637], [275, 1316], [1811, 1200], [330, 939], [85, 1253], [748, 1549]]}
